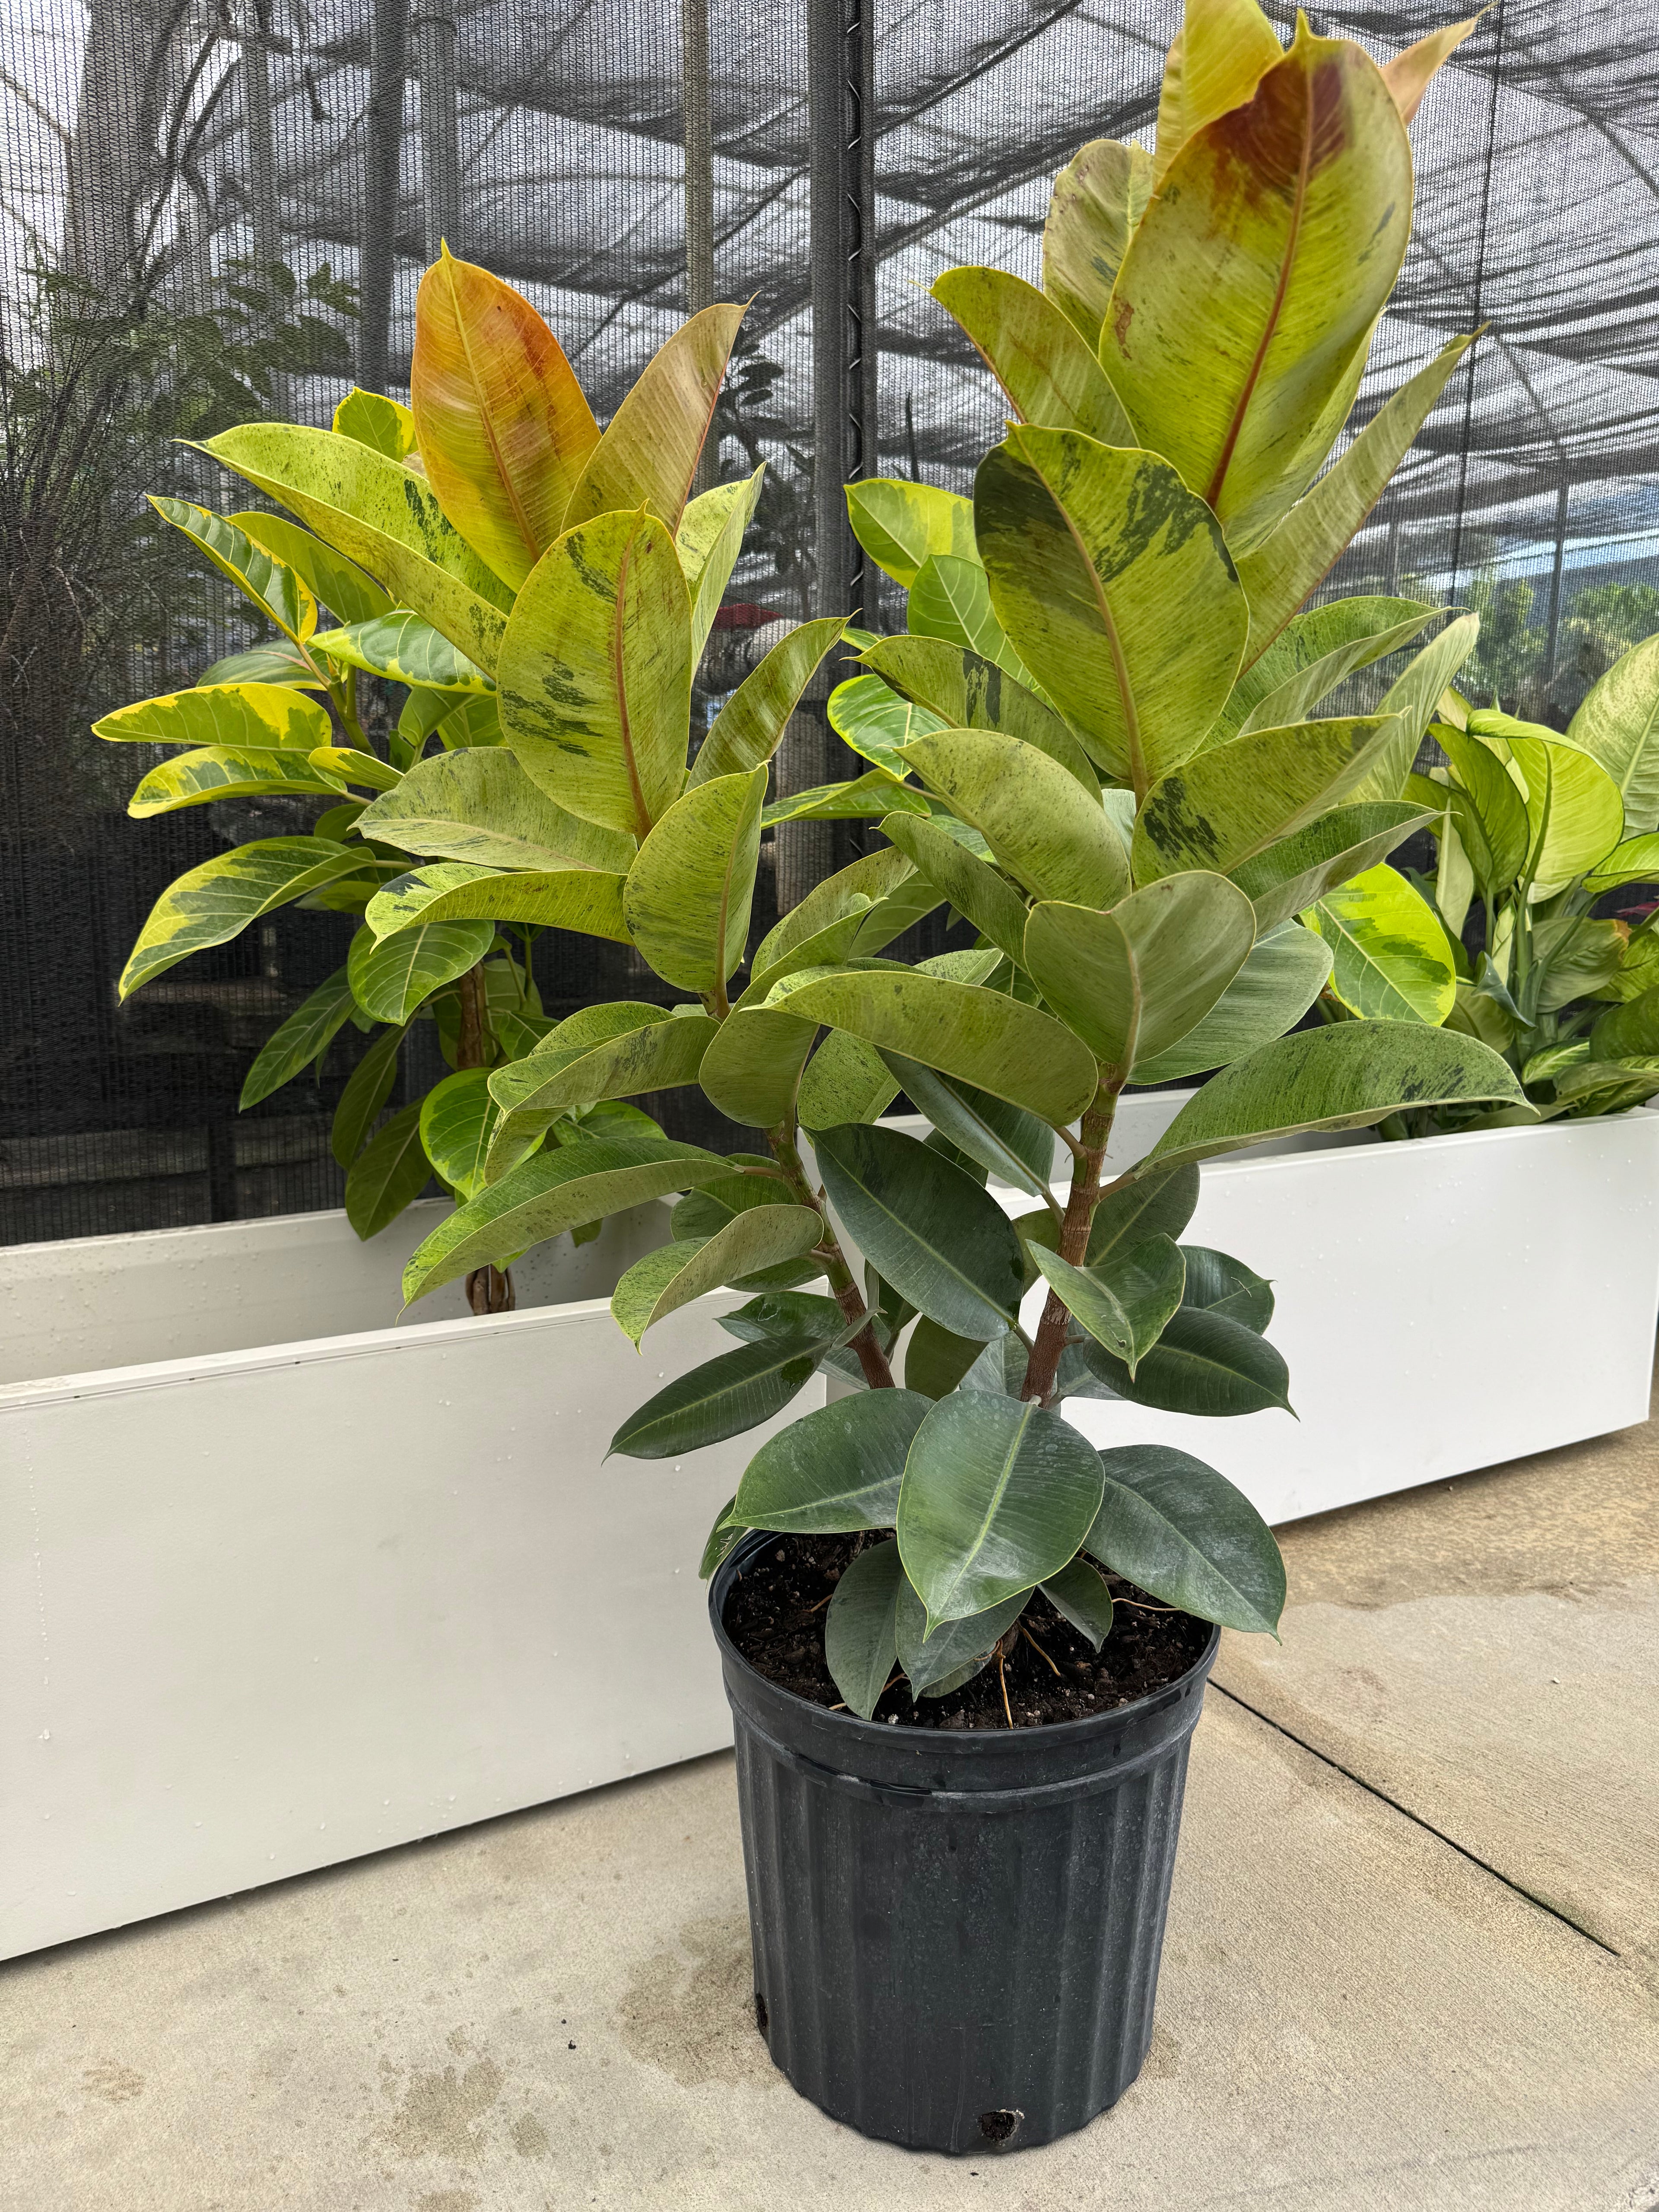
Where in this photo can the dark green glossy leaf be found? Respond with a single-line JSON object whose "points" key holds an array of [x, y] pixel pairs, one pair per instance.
{"points": [[997, 1494], [788, 1314], [734, 1391], [1189, 1538], [836, 1469], [937, 1664], [861, 1637], [1078, 1595], [1007, 1142], [1125, 1302], [1158, 1203], [1000, 1368], [1203, 1363], [1220, 1284], [723, 1538], [935, 1360], [367, 1090], [941, 1241]]}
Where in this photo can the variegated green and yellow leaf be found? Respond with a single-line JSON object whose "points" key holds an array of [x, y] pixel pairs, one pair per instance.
{"points": [[595, 672], [255, 716], [209, 904], [1114, 585], [649, 454], [1246, 299], [278, 592], [1098, 198], [380, 515], [585, 899], [217, 772], [899, 524], [405, 649]]}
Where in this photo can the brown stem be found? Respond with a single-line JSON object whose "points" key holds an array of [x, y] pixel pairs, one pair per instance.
{"points": [[1085, 1196], [872, 1358], [489, 1289], [475, 1045]]}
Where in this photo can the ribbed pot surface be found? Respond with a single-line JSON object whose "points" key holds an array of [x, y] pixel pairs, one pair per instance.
{"points": [[957, 1933]]}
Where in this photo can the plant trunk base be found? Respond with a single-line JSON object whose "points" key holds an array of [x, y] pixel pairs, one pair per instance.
{"points": [[490, 1291]]}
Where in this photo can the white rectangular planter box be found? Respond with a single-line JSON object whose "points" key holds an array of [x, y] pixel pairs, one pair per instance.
{"points": [[1442, 1305], [327, 1582]]}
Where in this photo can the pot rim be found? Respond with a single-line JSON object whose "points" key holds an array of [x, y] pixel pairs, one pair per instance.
{"points": [[899, 1732]]}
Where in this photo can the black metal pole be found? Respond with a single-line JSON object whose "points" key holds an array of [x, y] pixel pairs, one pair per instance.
{"points": [[841, 113], [841, 57], [698, 133], [388, 65], [441, 164]]}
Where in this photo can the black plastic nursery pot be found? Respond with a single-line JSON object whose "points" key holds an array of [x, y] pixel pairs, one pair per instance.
{"points": [[955, 1934]]}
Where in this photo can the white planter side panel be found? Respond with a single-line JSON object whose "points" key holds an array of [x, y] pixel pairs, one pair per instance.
{"points": [[1441, 1305], [264, 1611], [96, 1302]]}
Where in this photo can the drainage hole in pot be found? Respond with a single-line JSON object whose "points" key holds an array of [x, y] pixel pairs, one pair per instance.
{"points": [[759, 2012], [1000, 2127]]}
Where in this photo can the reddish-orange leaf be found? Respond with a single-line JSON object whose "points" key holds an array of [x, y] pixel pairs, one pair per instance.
{"points": [[504, 428]]}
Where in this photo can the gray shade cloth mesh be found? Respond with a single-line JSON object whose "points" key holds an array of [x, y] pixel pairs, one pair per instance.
{"points": [[269, 179]]}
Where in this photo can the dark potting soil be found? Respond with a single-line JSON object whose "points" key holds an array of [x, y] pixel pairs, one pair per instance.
{"points": [[774, 1615]]}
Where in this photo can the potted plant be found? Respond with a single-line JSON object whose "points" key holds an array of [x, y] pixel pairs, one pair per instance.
{"points": [[960, 1771]]}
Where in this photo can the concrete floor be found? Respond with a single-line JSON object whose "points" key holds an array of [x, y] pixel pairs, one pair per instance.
{"points": [[1413, 1962]]}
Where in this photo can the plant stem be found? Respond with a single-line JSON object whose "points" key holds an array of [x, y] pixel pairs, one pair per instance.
{"points": [[872, 1358], [1085, 1196], [489, 1289]]}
